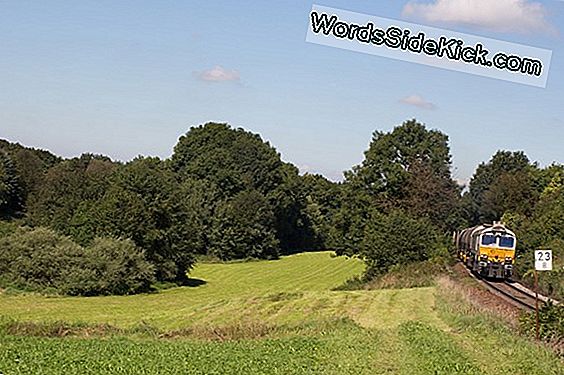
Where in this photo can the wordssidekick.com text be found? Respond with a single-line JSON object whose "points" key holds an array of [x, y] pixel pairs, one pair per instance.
{"points": [[397, 38]]}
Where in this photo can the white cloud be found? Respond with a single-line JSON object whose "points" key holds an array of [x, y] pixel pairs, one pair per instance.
{"points": [[521, 16], [219, 74], [418, 101]]}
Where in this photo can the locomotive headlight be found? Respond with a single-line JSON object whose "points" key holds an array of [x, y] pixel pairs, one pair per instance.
{"points": [[484, 257], [508, 259]]}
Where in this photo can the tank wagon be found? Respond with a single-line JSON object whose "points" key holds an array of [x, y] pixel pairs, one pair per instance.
{"points": [[487, 249]]}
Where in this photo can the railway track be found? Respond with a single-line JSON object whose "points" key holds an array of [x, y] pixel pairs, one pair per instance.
{"points": [[512, 292]]}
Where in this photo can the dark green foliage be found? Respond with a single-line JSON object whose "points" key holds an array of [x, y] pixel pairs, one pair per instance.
{"points": [[192, 206], [510, 192], [398, 202], [11, 193], [243, 228], [91, 197], [30, 166], [409, 168], [391, 158], [497, 184], [433, 197], [8, 227], [109, 266], [47, 159], [323, 199], [66, 187], [544, 229], [551, 322], [233, 159], [292, 224], [396, 239], [137, 205], [37, 259], [349, 221], [45, 261]]}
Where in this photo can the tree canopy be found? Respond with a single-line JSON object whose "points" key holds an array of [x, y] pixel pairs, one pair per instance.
{"points": [[226, 193]]}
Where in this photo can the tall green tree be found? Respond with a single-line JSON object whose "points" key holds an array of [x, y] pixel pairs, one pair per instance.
{"points": [[244, 228], [137, 205], [66, 187], [11, 192], [497, 184], [408, 168], [234, 161], [510, 192], [392, 156], [399, 199], [30, 167], [323, 199]]}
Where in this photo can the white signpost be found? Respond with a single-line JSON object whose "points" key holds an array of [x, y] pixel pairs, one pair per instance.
{"points": [[543, 262]]}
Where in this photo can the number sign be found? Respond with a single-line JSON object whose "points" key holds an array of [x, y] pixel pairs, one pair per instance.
{"points": [[543, 260]]}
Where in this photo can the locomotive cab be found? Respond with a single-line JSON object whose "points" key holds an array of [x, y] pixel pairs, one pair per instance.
{"points": [[496, 252], [488, 250]]}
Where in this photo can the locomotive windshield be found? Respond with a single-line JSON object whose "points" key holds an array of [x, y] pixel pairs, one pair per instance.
{"points": [[501, 241], [506, 241], [488, 239]]}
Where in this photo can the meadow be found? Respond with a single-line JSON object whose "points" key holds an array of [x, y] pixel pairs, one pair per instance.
{"points": [[265, 317]]}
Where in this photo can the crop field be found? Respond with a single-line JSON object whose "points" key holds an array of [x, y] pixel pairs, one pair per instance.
{"points": [[267, 317]]}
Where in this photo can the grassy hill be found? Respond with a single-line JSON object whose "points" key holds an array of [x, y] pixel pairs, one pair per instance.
{"points": [[268, 317]]}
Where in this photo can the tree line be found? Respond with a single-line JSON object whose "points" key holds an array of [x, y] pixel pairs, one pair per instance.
{"points": [[225, 193]]}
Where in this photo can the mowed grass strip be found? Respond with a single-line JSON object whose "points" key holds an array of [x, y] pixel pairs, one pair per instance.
{"points": [[232, 287], [432, 351]]}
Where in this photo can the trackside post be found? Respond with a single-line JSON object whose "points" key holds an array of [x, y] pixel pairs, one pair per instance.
{"points": [[543, 262]]}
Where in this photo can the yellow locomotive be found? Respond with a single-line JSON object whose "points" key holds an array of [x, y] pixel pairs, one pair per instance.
{"points": [[487, 249]]}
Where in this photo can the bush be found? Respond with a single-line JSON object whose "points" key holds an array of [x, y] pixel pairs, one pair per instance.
{"points": [[551, 323], [42, 260], [397, 239], [36, 259], [8, 227], [111, 266]]}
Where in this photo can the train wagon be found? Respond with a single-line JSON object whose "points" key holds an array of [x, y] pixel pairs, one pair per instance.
{"points": [[487, 249]]}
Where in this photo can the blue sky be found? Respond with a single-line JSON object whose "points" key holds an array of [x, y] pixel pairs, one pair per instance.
{"points": [[124, 78]]}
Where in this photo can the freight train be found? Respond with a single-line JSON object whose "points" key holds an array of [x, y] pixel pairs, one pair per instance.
{"points": [[487, 249]]}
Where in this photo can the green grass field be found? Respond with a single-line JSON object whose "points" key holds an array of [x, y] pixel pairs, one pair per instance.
{"points": [[270, 317]]}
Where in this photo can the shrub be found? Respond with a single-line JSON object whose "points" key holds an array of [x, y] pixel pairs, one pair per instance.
{"points": [[551, 323], [111, 266], [35, 259], [8, 227], [397, 239], [42, 260]]}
